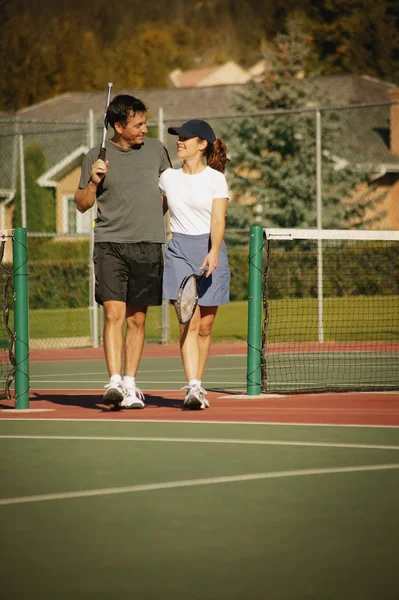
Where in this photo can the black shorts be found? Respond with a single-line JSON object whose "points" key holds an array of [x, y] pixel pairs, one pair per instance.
{"points": [[130, 273]]}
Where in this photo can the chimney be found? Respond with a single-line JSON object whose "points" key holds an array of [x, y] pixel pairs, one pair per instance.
{"points": [[394, 133]]}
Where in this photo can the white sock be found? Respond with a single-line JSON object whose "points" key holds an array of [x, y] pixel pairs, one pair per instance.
{"points": [[194, 383], [116, 379], [129, 382]]}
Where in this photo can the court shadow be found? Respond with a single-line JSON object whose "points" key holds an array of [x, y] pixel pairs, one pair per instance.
{"points": [[230, 392], [94, 401], [156, 400]]}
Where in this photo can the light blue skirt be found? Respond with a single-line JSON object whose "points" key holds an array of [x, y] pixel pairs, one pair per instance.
{"points": [[183, 255]]}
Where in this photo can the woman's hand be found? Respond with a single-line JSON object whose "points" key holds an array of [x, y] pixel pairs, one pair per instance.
{"points": [[210, 263]]}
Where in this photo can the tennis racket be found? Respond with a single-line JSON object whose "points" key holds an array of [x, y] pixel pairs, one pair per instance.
{"points": [[187, 296], [102, 149]]}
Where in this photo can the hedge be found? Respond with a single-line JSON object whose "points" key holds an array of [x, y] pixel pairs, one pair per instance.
{"points": [[354, 271]]}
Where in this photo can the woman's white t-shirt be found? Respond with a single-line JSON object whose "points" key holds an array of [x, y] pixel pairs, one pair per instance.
{"points": [[190, 198]]}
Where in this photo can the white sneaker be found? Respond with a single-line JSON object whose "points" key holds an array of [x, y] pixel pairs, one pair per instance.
{"points": [[194, 398], [114, 395], [133, 398]]}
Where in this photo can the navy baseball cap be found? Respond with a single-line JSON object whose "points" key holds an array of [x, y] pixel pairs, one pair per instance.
{"points": [[195, 128]]}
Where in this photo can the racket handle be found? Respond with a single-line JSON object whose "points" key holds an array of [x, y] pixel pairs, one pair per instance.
{"points": [[102, 154]]}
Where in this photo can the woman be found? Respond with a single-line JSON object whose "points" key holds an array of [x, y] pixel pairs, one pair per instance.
{"points": [[196, 195]]}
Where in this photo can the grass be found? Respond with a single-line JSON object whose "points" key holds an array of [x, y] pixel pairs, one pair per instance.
{"points": [[231, 323], [287, 321]]}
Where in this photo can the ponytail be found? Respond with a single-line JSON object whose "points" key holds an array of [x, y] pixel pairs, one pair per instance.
{"points": [[216, 155]]}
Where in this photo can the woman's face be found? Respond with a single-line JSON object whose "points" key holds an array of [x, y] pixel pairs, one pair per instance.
{"points": [[190, 147]]}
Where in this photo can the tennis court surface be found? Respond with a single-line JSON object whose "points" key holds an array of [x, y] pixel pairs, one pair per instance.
{"points": [[277, 496]]}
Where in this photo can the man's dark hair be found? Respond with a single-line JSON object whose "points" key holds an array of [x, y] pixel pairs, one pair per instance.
{"points": [[122, 108]]}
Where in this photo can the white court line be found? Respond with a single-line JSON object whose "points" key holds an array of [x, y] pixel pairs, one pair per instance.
{"points": [[346, 411], [191, 483], [151, 371], [201, 422], [27, 410], [140, 382], [190, 440]]}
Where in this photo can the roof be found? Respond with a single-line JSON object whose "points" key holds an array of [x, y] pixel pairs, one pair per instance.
{"points": [[226, 74], [353, 89], [193, 101], [368, 127], [192, 77], [211, 103], [59, 170], [176, 102]]}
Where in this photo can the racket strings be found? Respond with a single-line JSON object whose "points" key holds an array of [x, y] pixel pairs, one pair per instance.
{"points": [[188, 298]]}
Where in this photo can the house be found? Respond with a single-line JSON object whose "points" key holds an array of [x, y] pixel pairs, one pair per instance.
{"points": [[8, 148], [62, 126], [228, 73], [63, 177]]}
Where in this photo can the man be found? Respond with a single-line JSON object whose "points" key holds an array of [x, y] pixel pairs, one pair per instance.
{"points": [[128, 237]]}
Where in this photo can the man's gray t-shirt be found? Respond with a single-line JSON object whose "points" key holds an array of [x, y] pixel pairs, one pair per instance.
{"points": [[129, 207]]}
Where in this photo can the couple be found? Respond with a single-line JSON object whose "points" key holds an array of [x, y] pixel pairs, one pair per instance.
{"points": [[133, 189]]}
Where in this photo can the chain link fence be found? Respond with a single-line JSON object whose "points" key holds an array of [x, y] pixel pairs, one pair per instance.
{"points": [[291, 169]]}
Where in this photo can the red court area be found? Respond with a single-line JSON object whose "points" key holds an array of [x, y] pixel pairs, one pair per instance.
{"points": [[354, 408]]}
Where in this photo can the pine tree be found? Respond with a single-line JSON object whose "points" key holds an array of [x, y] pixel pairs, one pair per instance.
{"points": [[40, 202], [274, 156]]}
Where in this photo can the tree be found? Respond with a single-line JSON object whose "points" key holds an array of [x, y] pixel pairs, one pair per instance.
{"points": [[355, 36], [274, 156], [40, 203]]}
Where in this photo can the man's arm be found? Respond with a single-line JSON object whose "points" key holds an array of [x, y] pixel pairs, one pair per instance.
{"points": [[85, 198]]}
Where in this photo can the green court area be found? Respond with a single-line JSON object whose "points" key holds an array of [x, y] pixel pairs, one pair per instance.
{"points": [[173, 511], [164, 373], [288, 371], [351, 313]]}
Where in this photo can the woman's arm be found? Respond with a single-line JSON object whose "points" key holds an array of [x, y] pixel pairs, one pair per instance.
{"points": [[164, 204], [218, 224]]}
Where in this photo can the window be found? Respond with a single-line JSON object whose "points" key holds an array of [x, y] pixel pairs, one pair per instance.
{"points": [[74, 221]]}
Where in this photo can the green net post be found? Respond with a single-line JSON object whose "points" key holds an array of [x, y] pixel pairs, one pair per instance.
{"points": [[254, 311], [21, 323]]}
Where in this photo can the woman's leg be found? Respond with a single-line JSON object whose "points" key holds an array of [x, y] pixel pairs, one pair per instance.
{"points": [[189, 346], [195, 340], [208, 314]]}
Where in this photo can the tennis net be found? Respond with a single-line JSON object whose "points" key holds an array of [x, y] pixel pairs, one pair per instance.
{"points": [[14, 343], [330, 310]]}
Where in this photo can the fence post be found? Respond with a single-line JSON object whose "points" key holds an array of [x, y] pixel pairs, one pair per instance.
{"points": [[254, 311], [21, 323], [319, 224], [165, 329], [22, 178], [93, 306]]}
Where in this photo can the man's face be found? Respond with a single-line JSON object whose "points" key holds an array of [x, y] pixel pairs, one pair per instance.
{"points": [[134, 131]]}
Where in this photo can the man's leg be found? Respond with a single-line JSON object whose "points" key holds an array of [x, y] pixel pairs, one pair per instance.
{"points": [[135, 336], [134, 343], [114, 316], [145, 263]]}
